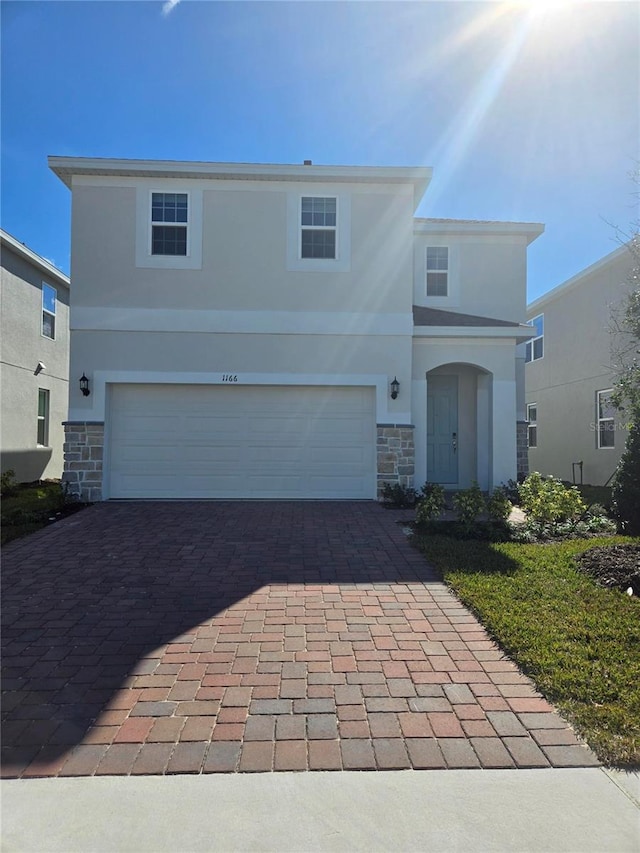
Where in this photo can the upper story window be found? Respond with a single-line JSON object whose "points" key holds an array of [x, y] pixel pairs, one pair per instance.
{"points": [[173, 208], [43, 417], [49, 301], [605, 416], [535, 347], [532, 426], [437, 271], [318, 222]]}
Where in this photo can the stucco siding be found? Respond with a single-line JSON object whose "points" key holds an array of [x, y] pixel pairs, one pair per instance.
{"points": [[577, 363], [22, 346]]}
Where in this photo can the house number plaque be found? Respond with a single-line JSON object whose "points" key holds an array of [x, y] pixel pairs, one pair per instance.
{"points": [[229, 377]]}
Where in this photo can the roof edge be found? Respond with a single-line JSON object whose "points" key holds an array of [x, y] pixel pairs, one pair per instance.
{"points": [[27, 253], [574, 281], [530, 230], [66, 167]]}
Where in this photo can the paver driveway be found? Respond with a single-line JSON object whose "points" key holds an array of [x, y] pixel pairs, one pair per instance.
{"points": [[252, 636]]}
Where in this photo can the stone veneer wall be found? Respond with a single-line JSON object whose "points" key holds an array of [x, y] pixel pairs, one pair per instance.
{"points": [[522, 447], [83, 452], [396, 455]]}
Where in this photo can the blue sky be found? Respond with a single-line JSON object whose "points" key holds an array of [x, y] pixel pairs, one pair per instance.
{"points": [[525, 111]]}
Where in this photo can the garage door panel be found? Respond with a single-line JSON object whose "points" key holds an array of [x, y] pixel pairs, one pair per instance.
{"points": [[262, 441]]}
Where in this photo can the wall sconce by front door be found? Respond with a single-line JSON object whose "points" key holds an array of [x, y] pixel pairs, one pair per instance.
{"points": [[395, 387], [84, 386]]}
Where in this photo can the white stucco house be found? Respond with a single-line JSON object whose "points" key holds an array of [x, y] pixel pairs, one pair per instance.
{"points": [[34, 352], [574, 431], [287, 331]]}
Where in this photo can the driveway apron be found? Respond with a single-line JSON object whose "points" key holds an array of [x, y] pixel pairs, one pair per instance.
{"points": [[189, 637]]}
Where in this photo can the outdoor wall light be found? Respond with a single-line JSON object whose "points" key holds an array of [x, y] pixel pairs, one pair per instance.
{"points": [[84, 385], [395, 387]]}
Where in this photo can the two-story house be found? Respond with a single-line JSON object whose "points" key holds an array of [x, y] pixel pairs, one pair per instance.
{"points": [[34, 351], [574, 431], [263, 331]]}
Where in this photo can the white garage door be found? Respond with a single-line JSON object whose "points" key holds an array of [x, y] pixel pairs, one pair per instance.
{"points": [[212, 441]]}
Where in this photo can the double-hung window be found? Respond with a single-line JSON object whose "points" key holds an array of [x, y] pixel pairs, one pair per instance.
{"points": [[318, 223], [437, 271], [605, 412], [43, 417], [49, 299], [169, 223], [532, 426], [535, 347]]}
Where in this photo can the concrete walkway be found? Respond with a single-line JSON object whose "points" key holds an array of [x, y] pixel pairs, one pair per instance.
{"points": [[170, 638], [560, 811]]}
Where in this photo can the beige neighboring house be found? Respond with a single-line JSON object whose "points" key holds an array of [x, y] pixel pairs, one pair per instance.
{"points": [[287, 331], [569, 375], [34, 351]]}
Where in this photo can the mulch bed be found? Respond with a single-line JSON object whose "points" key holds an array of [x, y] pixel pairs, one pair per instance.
{"points": [[613, 566]]}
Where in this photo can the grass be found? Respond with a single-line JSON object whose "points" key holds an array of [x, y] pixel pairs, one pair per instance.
{"points": [[29, 509], [580, 643]]}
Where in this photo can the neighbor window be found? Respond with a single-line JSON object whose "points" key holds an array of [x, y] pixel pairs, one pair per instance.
{"points": [[437, 271], [535, 347], [49, 299], [169, 223], [605, 416], [532, 427], [43, 417], [318, 222]]}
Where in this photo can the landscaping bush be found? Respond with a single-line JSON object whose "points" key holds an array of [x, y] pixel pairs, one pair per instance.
{"points": [[430, 502], [626, 487], [547, 501], [8, 483], [469, 503], [498, 505], [397, 496]]}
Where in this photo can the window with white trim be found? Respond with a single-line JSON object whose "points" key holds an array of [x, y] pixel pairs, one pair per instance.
{"points": [[532, 425], [169, 223], [605, 412], [43, 417], [318, 227], [437, 271], [49, 302], [535, 347]]}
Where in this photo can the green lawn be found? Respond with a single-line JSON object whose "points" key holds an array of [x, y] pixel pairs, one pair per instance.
{"points": [[580, 643]]}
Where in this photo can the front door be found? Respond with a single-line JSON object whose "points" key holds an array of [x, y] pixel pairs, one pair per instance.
{"points": [[442, 429]]}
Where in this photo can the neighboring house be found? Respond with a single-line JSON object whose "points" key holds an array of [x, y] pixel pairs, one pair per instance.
{"points": [[34, 351], [569, 374], [241, 327]]}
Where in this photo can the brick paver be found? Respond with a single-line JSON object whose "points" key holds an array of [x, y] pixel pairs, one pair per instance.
{"points": [[218, 637]]}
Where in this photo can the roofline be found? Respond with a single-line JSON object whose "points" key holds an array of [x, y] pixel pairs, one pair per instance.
{"points": [[530, 230], [29, 255], [518, 333], [575, 280], [66, 167]]}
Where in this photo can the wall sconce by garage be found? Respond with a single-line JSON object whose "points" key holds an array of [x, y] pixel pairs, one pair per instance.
{"points": [[395, 387], [84, 386]]}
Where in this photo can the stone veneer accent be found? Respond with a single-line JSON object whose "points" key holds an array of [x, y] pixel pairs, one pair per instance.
{"points": [[522, 448], [83, 451], [396, 455]]}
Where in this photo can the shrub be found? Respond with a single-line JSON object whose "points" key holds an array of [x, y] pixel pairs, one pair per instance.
{"points": [[547, 501], [8, 483], [498, 505], [626, 487], [393, 494], [469, 503], [430, 502]]}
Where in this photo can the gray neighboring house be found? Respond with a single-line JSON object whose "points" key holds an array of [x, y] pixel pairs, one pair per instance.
{"points": [[569, 374], [34, 351]]}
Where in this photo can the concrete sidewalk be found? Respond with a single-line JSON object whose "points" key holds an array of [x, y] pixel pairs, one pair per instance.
{"points": [[579, 810]]}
